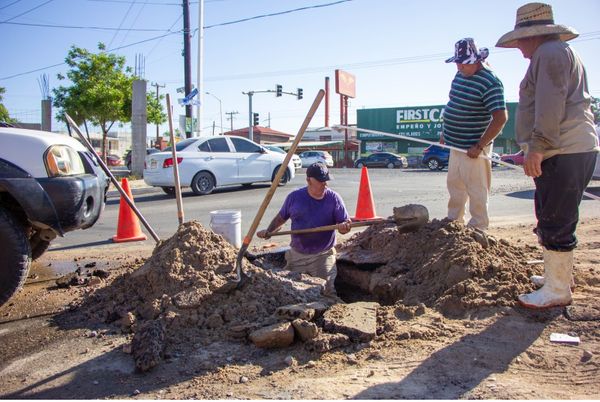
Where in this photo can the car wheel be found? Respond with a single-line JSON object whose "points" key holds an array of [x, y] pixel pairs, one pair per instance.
{"points": [[284, 179], [433, 164], [390, 165], [15, 255], [168, 190], [203, 183], [359, 165]]}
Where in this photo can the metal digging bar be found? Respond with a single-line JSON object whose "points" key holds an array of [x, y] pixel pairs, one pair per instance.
{"points": [[114, 181], [241, 276]]}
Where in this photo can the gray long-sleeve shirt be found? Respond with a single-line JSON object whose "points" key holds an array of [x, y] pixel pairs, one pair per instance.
{"points": [[554, 115]]}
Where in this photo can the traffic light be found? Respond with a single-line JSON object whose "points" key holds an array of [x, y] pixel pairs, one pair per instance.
{"points": [[255, 117], [279, 90], [299, 93]]}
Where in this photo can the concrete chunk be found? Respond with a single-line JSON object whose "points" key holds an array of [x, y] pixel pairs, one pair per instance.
{"points": [[305, 330], [303, 311], [277, 335], [356, 320]]}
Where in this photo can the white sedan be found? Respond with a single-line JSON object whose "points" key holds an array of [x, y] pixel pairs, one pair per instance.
{"points": [[209, 162]]}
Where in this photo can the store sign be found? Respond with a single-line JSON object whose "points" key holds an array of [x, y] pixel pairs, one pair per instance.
{"points": [[425, 122], [345, 83]]}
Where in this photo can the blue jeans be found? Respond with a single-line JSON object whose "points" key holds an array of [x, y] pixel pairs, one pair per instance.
{"points": [[558, 193]]}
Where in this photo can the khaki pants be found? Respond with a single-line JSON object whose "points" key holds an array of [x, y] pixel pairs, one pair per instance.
{"points": [[321, 265], [469, 180]]}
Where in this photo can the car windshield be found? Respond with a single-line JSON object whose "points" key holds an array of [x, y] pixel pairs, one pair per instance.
{"points": [[275, 149]]}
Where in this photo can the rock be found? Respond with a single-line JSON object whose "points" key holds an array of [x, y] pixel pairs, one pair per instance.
{"points": [[305, 330], [127, 321], [303, 311], [356, 320], [101, 273], [214, 321], [148, 345], [95, 281], [326, 342], [277, 335], [244, 379], [289, 361], [587, 355]]}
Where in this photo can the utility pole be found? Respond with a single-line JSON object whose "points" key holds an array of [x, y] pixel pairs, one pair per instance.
{"points": [[231, 117], [156, 84], [187, 64]]}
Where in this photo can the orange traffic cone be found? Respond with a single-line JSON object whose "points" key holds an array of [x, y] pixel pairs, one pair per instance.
{"points": [[365, 208], [129, 226]]}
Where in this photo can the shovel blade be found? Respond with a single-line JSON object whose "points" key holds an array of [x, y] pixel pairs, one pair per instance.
{"points": [[411, 217]]}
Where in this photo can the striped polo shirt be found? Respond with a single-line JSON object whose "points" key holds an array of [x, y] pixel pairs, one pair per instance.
{"points": [[469, 111]]}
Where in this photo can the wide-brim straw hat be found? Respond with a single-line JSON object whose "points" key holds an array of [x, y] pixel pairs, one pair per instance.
{"points": [[535, 19]]}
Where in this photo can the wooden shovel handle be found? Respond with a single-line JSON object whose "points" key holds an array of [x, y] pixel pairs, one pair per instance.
{"points": [[329, 227]]}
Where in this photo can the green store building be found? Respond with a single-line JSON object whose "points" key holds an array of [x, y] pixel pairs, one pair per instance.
{"points": [[422, 122]]}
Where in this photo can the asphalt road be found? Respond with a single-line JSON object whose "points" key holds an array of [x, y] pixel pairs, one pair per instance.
{"points": [[511, 202]]}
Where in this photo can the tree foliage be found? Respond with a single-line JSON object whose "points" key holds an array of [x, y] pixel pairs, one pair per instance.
{"points": [[156, 113], [4, 116], [100, 90], [596, 109]]}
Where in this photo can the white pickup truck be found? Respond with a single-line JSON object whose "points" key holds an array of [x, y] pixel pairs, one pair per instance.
{"points": [[49, 185]]}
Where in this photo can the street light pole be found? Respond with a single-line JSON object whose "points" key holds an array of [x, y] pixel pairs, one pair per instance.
{"points": [[220, 109]]}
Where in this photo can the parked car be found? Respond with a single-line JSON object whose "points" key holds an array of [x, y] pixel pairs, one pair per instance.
{"points": [[127, 157], [49, 185], [206, 163], [435, 157], [295, 158], [310, 157], [382, 159], [514, 159]]}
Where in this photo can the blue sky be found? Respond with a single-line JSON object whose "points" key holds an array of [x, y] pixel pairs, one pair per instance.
{"points": [[395, 48]]}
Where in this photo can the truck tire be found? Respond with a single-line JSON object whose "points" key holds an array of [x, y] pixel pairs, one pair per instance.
{"points": [[15, 256]]}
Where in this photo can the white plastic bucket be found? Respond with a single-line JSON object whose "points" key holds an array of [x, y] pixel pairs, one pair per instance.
{"points": [[228, 223]]}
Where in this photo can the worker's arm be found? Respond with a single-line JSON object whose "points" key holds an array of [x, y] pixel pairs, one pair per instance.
{"points": [[499, 119], [274, 226]]}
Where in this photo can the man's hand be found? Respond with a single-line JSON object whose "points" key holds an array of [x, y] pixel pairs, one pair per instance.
{"points": [[263, 234], [474, 151], [344, 227], [533, 164]]}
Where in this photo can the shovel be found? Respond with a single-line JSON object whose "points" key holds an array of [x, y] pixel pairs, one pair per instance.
{"points": [[242, 278], [408, 219]]}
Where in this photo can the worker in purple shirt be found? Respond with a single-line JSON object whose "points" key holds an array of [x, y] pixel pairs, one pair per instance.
{"points": [[310, 207]]}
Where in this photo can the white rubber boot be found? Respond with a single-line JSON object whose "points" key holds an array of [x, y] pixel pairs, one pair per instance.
{"points": [[558, 267], [539, 280]]}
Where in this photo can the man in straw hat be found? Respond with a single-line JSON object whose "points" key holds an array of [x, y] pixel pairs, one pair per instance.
{"points": [[473, 117], [310, 207], [555, 128]]}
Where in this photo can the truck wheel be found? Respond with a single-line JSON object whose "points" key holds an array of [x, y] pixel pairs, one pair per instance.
{"points": [[15, 255]]}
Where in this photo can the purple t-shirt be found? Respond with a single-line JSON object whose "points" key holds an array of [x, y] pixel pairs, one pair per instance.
{"points": [[307, 212]]}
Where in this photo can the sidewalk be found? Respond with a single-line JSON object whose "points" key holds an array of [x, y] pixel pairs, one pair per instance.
{"points": [[137, 187]]}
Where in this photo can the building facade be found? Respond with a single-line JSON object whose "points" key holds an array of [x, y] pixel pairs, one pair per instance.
{"points": [[418, 122]]}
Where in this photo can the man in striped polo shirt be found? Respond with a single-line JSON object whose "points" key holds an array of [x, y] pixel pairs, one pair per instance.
{"points": [[473, 117]]}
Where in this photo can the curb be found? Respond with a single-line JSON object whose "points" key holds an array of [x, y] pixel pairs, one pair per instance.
{"points": [[134, 192]]}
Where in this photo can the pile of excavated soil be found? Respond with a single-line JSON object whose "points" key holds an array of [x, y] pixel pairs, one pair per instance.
{"points": [[444, 265], [175, 297]]}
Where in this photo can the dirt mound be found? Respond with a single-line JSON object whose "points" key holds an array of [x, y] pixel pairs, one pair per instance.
{"points": [[178, 286], [444, 265]]}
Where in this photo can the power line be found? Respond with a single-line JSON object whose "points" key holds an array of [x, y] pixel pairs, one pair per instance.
{"points": [[274, 14], [8, 5], [86, 27], [26, 12]]}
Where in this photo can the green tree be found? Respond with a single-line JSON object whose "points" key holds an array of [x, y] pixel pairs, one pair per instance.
{"points": [[100, 90], [156, 113], [596, 109], [4, 116]]}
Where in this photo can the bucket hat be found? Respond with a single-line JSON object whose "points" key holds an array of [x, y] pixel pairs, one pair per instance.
{"points": [[318, 171], [535, 19], [466, 52]]}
